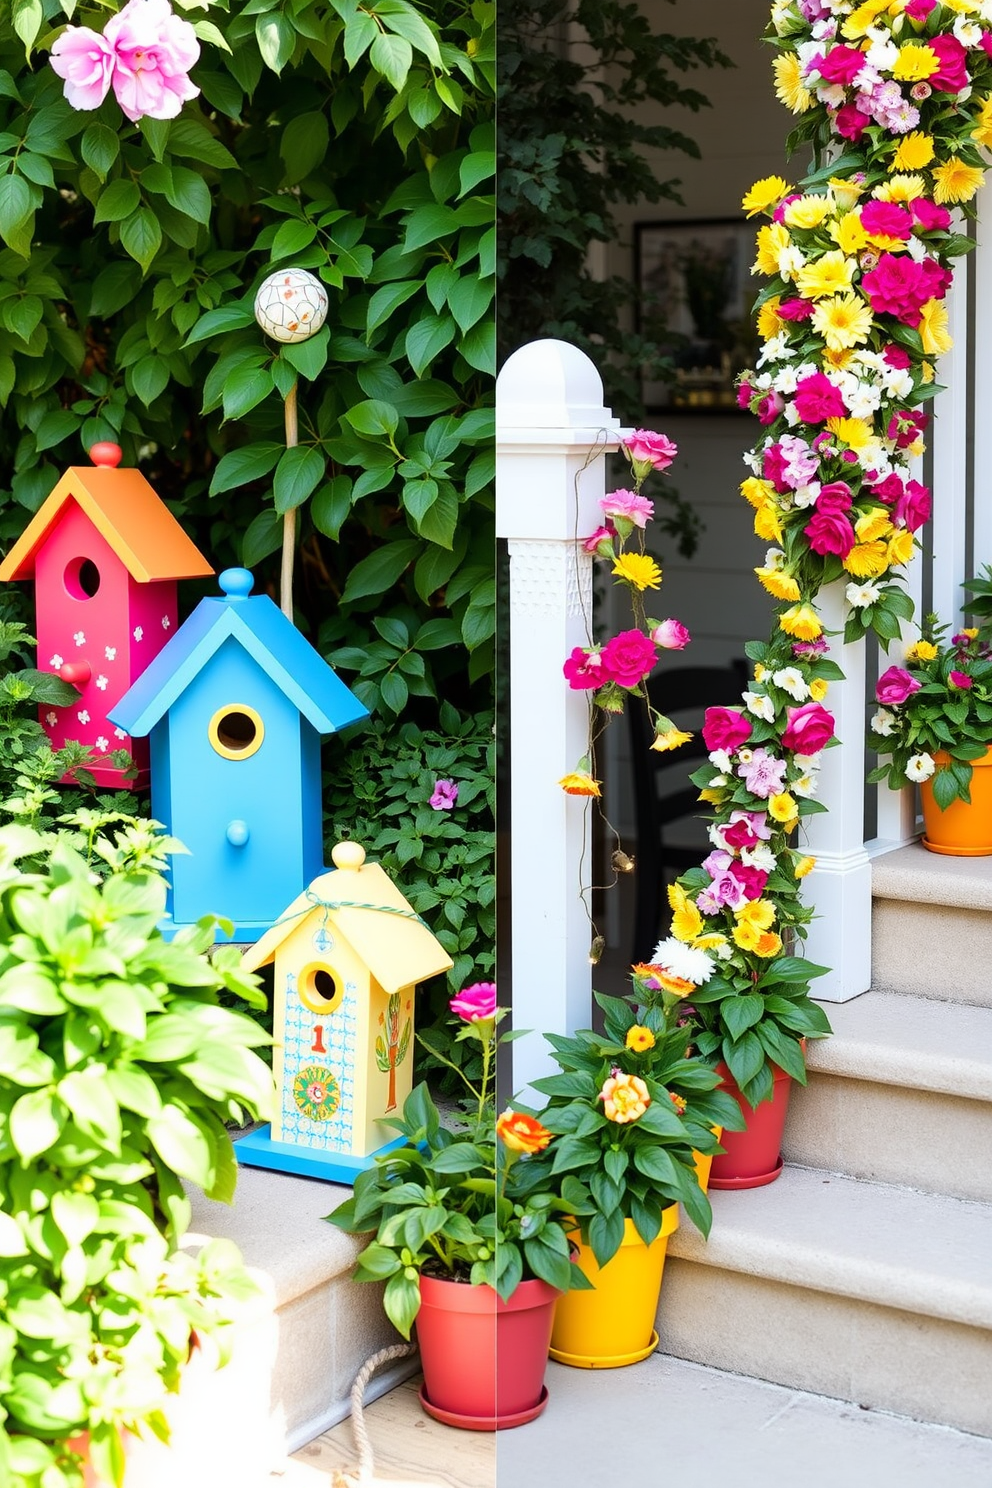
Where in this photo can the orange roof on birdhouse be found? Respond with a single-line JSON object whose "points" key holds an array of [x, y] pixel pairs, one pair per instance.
{"points": [[126, 511]]}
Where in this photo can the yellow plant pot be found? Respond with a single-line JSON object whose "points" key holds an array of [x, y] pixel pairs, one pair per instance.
{"points": [[704, 1161], [614, 1324]]}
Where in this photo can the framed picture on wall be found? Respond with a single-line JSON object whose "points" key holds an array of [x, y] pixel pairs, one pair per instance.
{"points": [[695, 295]]}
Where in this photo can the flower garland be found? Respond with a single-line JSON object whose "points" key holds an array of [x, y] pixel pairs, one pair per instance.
{"points": [[857, 259]]}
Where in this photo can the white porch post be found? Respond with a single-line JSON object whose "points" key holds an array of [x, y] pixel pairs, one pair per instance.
{"points": [[840, 884], [552, 436]]}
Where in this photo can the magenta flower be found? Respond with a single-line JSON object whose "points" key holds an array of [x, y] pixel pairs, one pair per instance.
{"points": [[144, 54], [445, 795], [895, 686], [474, 1003], [671, 635], [931, 218], [960, 679], [628, 506], [840, 65], [850, 123], [952, 75], [817, 399], [628, 658], [830, 532], [649, 450], [912, 509], [906, 425], [584, 670], [796, 309], [725, 728], [886, 219], [809, 728]]}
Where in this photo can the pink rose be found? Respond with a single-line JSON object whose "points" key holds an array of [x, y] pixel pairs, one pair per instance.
{"points": [[145, 54], [889, 490], [770, 407], [725, 728], [752, 880], [895, 686], [850, 123], [475, 1002], [817, 399], [628, 658], [840, 65], [773, 465], [886, 220], [584, 670], [912, 509], [671, 635], [808, 729], [834, 498], [952, 75], [600, 542], [935, 280], [740, 833], [960, 679], [918, 10], [744, 395], [929, 215], [896, 356], [655, 451], [897, 286], [637, 510], [830, 532], [796, 309]]}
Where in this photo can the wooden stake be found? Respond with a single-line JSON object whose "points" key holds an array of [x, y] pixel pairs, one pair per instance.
{"points": [[289, 518]]}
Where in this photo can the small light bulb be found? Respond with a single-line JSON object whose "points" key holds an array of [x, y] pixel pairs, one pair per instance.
{"points": [[596, 950]]}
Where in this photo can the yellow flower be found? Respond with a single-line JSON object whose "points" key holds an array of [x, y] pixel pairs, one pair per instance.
{"points": [[678, 1101], [933, 328], [713, 797], [808, 211], [927, 369], [771, 241], [762, 942], [955, 181], [867, 560], [638, 569], [804, 866], [848, 233], [922, 651], [873, 524], [818, 689], [838, 361], [758, 913], [983, 134], [624, 1097], [914, 152], [789, 87], [970, 631], [901, 189], [672, 738], [831, 274], [639, 1039], [580, 783], [781, 808], [801, 621], [778, 583], [757, 492], [854, 432], [765, 193], [901, 548], [844, 321], [915, 63], [859, 20], [770, 323], [767, 523], [760, 672], [845, 192], [687, 922], [710, 942]]}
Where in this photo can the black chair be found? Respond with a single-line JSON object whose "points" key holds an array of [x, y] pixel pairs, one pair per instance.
{"points": [[663, 793]]}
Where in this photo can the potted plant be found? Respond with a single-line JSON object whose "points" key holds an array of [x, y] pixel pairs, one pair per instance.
{"points": [[633, 1110], [469, 1250], [118, 1070], [934, 721]]}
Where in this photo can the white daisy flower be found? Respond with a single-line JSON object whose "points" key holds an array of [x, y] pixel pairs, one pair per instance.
{"points": [[792, 681], [683, 961], [760, 705], [80, 638], [138, 633], [83, 716], [920, 767], [101, 682], [57, 661], [883, 722], [861, 595], [110, 652], [102, 743], [916, 249]]}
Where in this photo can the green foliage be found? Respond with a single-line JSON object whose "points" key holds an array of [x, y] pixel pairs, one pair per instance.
{"points": [[572, 146], [118, 1071], [355, 142]]}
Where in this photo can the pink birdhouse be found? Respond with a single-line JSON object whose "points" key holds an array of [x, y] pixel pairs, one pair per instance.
{"points": [[105, 553]]}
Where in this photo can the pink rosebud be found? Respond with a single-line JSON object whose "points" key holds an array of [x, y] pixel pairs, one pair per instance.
{"points": [[584, 670], [834, 497], [895, 686], [918, 10], [600, 542], [770, 407], [809, 728], [960, 679], [445, 795], [796, 309], [476, 1002], [628, 657], [651, 450], [725, 728], [628, 506], [671, 635], [906, 425], [745, 392], [912, 509], [930, 216], [850, 123]]}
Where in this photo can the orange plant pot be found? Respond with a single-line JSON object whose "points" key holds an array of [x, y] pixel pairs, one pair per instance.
{"points": [[962, 830]]}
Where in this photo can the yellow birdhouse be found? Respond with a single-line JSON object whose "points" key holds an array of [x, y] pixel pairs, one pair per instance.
{"points": [[348, 955]]}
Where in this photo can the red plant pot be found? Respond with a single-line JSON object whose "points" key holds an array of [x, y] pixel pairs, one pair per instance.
{"points": [[753, 1157], [484, 1359]]}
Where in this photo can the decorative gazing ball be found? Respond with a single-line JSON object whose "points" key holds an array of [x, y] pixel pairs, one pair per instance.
{"points": [[291, 305]]}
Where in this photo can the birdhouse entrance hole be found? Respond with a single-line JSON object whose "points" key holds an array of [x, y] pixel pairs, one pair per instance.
{"points": [[318, 989], [82, 578], [236, 732]]}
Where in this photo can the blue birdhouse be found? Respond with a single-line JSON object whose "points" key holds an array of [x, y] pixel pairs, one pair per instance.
{"points": [[235, 705]]}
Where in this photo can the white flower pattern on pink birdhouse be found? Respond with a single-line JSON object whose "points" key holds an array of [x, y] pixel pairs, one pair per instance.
{"points": [[57, 661], [138, 633], [83, 716], [110, 652], [102, 743], [120, 733], [51, 719], [166, 622], [101, 682], [80, 637]]}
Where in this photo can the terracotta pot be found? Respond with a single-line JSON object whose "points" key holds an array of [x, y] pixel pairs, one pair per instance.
{"points": [[753, 1157], [614, 1325], [962, 830], [483, 1358]]}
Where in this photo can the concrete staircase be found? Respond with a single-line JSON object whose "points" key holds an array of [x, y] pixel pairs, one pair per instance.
{"points": [[865, 1272]]}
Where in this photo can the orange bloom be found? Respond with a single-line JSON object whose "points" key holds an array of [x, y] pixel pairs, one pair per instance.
{"points": [[579, 783], [639, 1038], [624, 1097], [521, 1133]]}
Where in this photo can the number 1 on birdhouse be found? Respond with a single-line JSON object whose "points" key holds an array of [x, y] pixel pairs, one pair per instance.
{"points": [[317, 1047]]}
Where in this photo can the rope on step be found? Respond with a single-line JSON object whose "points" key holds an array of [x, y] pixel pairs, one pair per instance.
{"points": [[362, 1443]]}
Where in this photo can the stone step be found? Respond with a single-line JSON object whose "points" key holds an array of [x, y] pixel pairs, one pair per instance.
{"points": [[931, 926], [867, 1292], [327, 1324], [902, 1093]]}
